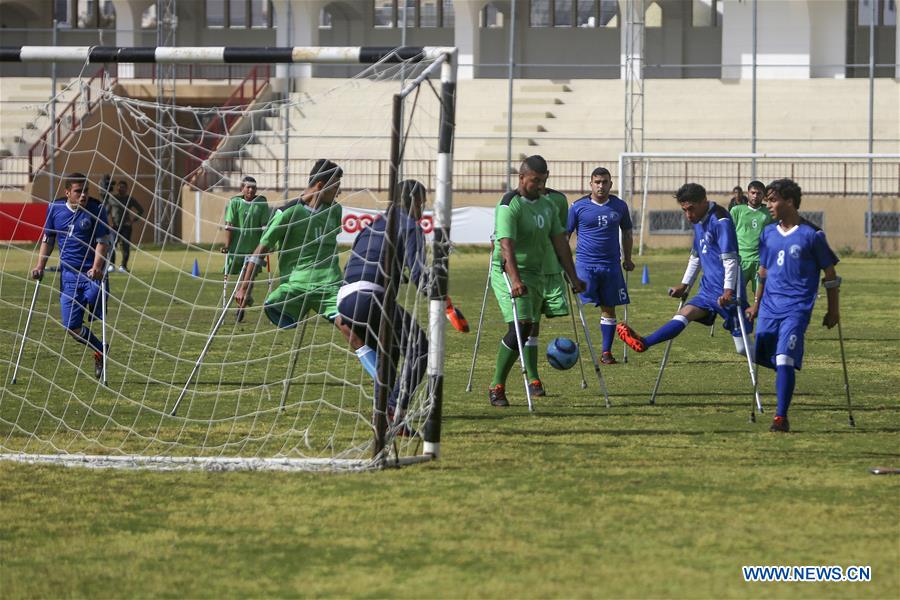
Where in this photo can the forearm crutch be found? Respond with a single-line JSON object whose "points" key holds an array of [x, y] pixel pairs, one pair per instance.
{"points": [[103, 284], [843, 364], [587, 339], [286, 388], [745, 336], [37, 286], [487, 284], [665, 358], [519, 341], [575, 333], [625, 317], [206, 346]]}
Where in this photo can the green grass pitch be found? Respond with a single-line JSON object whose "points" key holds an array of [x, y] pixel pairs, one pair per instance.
{"points": [[575, 500]]}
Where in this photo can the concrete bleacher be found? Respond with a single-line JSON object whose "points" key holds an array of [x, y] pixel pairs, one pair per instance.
{"points": [[24, 114], [583, 119]]}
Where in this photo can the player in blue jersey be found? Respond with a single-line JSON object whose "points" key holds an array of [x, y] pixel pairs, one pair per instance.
{"points": [[792, 251], [597, 220], [78, 224], [361, 296], [715, 252]]}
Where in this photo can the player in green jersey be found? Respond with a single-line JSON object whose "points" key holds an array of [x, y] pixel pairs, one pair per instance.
{"points": [[527, 227], [749, 221], [555, 302], [245, 220], [305, 232]]}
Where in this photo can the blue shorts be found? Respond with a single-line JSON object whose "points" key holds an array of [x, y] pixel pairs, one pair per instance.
{"points": [[711, 305], [78, 293], [605, 284], [781, 335]]}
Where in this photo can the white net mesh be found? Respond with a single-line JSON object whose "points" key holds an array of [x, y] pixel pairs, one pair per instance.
{"points": [[262, 396]]}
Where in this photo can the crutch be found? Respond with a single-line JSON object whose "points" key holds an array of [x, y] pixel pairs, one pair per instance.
{"points": [[575, 332], [745, 336], [103, 284], [487, 284], [625, 317], [519, 340], [587, 338], [290, 374], [665, 358], [843, 363], [209, 340], [37, 286]]}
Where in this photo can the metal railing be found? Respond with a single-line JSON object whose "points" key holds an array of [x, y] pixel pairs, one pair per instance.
{"points": [[67, 122], [833, 178]]}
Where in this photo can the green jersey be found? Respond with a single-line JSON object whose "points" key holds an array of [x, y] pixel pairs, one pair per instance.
{"points": [[247, 221], [306, 242], [557, 200], [749, 224], [529, 223]]}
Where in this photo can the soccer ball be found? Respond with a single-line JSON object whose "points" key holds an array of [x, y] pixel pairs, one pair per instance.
{"points": [[562, 353]]}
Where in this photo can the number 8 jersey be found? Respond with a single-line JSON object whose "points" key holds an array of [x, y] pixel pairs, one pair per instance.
{"points": [[793, 259]]}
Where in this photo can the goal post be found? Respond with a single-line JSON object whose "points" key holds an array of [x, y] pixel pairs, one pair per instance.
{"points": [[231, 417], [862, 174]]}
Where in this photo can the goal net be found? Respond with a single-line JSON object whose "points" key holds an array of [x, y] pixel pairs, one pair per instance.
{"points": [[190, 381]]}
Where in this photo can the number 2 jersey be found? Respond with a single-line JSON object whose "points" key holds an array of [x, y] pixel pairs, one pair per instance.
{"points": [[792, 259], [714, 242]]}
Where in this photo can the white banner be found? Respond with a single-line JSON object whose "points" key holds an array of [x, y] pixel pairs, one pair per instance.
{"points": [[470, 225]]}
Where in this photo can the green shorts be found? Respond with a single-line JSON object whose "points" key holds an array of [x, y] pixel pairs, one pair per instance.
{"points": [[528, 306], [289, 303], [556, 303], [750, 273]]}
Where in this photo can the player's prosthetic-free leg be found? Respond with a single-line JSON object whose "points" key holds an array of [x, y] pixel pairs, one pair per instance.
{"points": [[587, 339], [37, 286], [487, 284], [575, 333], [519, 342], [215, 330], [745, 336], [846, 379], [665, 357]]}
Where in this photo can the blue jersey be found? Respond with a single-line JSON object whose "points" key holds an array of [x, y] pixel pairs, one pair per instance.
{"points": [[792, 260], [76, 231], [365, 256], [714, 241], [598, 228]]}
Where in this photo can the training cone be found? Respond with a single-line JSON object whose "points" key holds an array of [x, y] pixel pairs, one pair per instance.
{"points": [[645, 276], [196, 270]]}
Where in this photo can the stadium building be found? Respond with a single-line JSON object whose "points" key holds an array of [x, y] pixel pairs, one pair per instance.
{"points": [[577, 81]]}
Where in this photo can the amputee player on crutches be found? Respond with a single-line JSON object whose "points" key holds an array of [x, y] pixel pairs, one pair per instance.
{"points": [[527, 227], [715, 252]]}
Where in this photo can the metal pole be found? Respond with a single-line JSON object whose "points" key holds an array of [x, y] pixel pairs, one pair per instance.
{"points": [[509, 102], [287, 108], [753, 102], [871, 116], [53, 84]]}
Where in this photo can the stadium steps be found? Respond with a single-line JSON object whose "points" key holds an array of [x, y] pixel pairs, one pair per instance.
{"points": [[24, 111]]}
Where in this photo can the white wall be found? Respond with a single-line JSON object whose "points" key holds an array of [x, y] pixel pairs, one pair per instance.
{"points": [[829, 38]]}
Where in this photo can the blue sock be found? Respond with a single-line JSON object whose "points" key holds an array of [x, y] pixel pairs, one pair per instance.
{"points": [[86, 337], [667, 331], [367, 357], [608, 331], [785, 376]]}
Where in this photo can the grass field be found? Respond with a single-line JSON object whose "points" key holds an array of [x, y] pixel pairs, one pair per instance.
{"points": [[574, 501]]}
